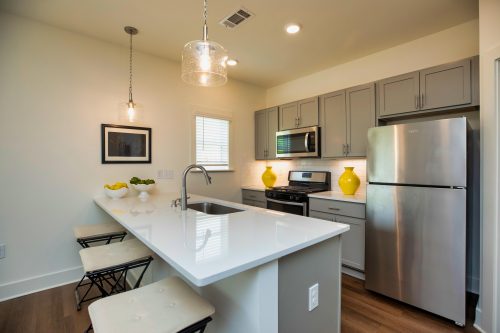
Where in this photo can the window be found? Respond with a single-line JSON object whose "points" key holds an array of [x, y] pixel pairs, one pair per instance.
{"points": [[212, 142]]}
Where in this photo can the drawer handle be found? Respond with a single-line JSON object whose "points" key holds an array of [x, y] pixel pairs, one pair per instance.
{"points": [[251, 196], [332, 208]]}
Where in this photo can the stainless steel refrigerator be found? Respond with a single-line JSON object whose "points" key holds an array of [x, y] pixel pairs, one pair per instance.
{"points": [[416, 215]]}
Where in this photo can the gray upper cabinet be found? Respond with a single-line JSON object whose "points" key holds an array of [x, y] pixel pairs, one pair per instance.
{"points": [[447, 85], [266, 126], [260, 134], [360, 103], [333, 124], [288, 116], [308, 112], [303, 113], [398, 94], [442, 87], [272, 128], [346, 116]]}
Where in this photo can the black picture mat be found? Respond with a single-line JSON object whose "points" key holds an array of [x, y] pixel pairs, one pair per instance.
{"points": [[133, 143], [126, 144]]}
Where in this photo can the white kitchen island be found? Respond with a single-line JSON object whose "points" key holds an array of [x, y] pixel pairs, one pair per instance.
{"points": [[254, 266]]}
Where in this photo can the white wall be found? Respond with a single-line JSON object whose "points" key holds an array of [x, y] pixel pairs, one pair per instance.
{"points": [[56, 88], [487, 314], [448, 45]]}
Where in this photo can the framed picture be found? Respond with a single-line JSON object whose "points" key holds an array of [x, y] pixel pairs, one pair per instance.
{"points": [[125, 144]]}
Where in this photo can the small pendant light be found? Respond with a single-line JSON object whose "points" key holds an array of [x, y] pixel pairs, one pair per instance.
{"points": [[130, 111], [204, 61]]}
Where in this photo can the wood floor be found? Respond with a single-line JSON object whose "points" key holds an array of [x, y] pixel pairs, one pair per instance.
{"points": [[53, 311], [365, 311]]}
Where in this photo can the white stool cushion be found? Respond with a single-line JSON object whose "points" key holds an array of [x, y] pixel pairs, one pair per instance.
{"points": [[166, 306], [104, 256], [88, 230]]}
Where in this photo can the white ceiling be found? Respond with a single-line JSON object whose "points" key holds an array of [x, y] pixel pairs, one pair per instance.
{"points": [[334, 31]]}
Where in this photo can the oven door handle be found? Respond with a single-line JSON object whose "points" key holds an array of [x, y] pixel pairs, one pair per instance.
{"points": [[287, 202], [306, 142]]}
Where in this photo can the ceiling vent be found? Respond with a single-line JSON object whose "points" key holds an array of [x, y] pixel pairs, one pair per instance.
{"points": [[237, 18]]}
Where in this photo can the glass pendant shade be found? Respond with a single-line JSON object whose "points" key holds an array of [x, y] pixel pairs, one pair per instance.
{"points": [[204, 63], [131, 112]]}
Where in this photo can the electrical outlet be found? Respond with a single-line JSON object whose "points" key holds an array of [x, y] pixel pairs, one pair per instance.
{"points": [[165, 174], [2, 251], [313, 296]]}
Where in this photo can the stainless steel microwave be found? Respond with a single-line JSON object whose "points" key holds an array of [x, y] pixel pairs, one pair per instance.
{"points": [[301, 142]]}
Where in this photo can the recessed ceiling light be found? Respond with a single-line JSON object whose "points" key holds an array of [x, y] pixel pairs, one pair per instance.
{"points": [[232, 62], [292, 28]]}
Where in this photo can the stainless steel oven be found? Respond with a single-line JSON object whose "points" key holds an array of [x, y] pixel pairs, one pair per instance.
{"points": [[297, 208], [301, 142], [294, 198]]}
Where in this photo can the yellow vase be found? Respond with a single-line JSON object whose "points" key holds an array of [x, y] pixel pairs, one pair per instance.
{"points": [[349, 181], [269, 177]]}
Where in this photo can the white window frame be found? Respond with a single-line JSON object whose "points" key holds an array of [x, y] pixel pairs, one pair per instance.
{"points": [[193, 140]]}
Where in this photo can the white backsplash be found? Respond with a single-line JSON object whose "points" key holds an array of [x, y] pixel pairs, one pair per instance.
{"points": [[281, 168]]}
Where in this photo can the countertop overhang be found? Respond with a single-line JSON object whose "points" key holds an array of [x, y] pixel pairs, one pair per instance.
{"points": [[207, 248]]}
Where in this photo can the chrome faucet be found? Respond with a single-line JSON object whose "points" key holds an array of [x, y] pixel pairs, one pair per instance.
{"points": [[184, 196]]}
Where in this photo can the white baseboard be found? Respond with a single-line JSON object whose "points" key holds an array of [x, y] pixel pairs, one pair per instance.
{"points": [[39, 282], [477, 322], [353, 273]]}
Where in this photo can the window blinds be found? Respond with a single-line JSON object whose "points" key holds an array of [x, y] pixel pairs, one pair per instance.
{"points": [[212, 142]]}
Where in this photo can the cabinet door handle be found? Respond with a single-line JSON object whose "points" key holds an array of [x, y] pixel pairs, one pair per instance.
{"points": [[416, 102], [343, 149], [422, 101]]}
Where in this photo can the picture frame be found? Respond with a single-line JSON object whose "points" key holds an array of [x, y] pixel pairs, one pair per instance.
{"points": [[125, 144]]}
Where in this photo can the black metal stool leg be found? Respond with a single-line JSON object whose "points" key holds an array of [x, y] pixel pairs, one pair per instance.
{"points": [[197, 327], [111, 277]]}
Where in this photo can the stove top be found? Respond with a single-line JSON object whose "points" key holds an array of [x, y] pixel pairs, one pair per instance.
{"points": [[301, 183], [299, 189]]}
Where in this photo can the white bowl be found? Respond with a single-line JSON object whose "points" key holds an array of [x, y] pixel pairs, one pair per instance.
{"points": [[143, 189], [116, 194]]}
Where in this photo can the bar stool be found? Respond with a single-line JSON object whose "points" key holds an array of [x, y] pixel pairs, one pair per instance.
{"points": [[88, 234], [166, 306], [108, 265]]}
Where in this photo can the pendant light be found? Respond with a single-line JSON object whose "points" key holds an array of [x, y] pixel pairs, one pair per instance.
{"points": [[130, 110], [204, 61]]}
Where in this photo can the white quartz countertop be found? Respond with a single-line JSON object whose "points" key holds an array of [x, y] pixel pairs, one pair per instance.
{"points": [[359, 197], [207, 248], [260, 188]]}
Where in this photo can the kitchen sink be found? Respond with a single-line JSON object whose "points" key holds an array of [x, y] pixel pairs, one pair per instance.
{"points": [[213, 208]]}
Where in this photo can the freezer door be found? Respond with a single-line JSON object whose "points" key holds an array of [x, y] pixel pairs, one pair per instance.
{"points": [[415, 247], [424, 153]]}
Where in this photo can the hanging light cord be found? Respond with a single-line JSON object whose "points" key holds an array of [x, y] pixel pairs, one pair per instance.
{"points": [[205, 27], [130, 78]]}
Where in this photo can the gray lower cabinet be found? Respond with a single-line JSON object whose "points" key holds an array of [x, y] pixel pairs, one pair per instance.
{"points": [[303, 113], [346, 116], [266, 126], [442, 87], [353, 241], [253, 198]]}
